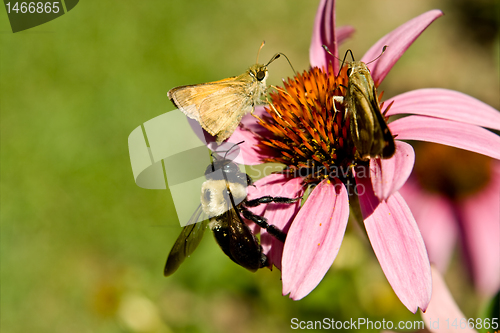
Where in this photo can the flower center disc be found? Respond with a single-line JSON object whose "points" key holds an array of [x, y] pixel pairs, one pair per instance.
{"points": [[308, 128]]}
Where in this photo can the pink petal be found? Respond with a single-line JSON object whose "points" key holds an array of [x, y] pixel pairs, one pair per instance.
{"points": [[343, 33], [251, 153], [281, 215], [447, 132], [443, 311], [446, 104], [251, 122], [398, 41], [388, 175], [314, 238], [481, 230], [398, 245], [325, 33], [436, 221]]}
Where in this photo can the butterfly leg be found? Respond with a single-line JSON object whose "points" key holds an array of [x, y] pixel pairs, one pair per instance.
{"points": [[339, 99]]}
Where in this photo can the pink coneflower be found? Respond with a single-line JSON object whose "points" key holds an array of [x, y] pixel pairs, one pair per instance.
{"points": [[443, 314], [304, 131], [455, 196]]}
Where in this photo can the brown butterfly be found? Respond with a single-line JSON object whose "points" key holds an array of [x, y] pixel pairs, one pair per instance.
{"points": [[219, 106], [369, 131]]}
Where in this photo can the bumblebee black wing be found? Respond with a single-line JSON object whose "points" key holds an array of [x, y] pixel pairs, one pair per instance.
{"points": [[245, 248], [237, 241], [186, 243]]}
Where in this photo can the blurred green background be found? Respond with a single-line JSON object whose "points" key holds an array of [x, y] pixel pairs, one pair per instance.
{"points": [[83, 248]]}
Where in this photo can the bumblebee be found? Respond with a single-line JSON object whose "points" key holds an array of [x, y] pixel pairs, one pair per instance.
{"points": [[224, 200]]}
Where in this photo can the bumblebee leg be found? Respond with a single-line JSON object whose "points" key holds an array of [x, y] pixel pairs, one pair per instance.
{"points": [[268, 199], [261, 221], [264, 262]]}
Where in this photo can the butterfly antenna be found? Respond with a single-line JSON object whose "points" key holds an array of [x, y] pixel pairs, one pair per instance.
{"points": [[260, 48], [343, 60], [277, 55], [383, 50]]}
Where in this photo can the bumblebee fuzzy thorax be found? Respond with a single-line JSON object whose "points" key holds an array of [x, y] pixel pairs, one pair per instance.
{"points": [[215, 199]]}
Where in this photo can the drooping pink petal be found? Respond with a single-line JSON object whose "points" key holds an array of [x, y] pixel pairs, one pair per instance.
{"points": [[481, 231], [314, 238], [446, 104], [398, 41], [436, 221], [398, 245], [281, 215], [443, 311], [447, 132], [388, 175], [325, 33]]}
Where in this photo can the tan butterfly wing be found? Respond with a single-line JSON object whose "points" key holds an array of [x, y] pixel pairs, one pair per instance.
{"points": [[218, 106], [221, 112], [188, 98]]}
